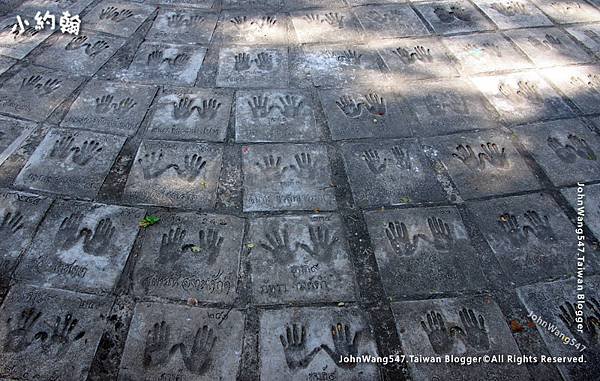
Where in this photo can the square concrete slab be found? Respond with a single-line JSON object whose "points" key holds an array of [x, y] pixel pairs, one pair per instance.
{"points": [[13, 133], [591, 202], [81, 55], [461, 327], [571, 11], [172, 342], [253, 27], [482, 163], [253, 67], [70, 162], [446, 17], [6, 63], [335, 66], [305, 4], [568, 151], [510, 14], [253, 4], [522, 97], [367, 113], [175, 174], [553, 304], [412, 242], [307, 344], [168, 64], [34, 92], [326, 25], [112, 107], [21, 213], [393, 172], [275, 116], [313, 267], [18, 44], [191, 255], [184, 3], [118, 18], [588, 35], [365, 2], [181, 25], [581, 84], [81, 246], [389, 21], [412, 58], [191, 114], [444, 107], [529, 235], [57, 330], [56, 7], [485, 52], [287, 177], [548, 46]]}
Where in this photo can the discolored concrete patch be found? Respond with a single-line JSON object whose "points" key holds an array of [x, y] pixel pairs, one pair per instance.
{"points": [[287, 177], [482, 163], [58, 331], [300, 259], [581, 84], [13, 133], [70, 162], [446, 17], [118, 18], [251, 27], [362, 112], [191, 255], [510, 14], [565, 12], [472, 326], [81, 246], [18, 44], [181, 25], [411, 242], [591, 203], [588, 35], [253, 67], [529, 235], [175, 174], [307, 343], [21, 213], [275, 116], [393, 172], [389, 21], [326, 25], [554, 304], [34, 92], [177, 342], [111, 107], [191, 114]]}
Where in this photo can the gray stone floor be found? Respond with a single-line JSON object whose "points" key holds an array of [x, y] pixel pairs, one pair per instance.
{"points": [[332, 177]]}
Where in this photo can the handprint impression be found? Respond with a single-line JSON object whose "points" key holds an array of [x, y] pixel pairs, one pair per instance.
{"points": [[491, 154], [444, 337], [81, 154]]}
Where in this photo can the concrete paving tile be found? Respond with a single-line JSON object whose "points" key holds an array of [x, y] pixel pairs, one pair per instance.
{"points": [[571, 11], [182, 25], [118, 18], [253, 67], [13, 133], [390, 20], [18, 44], [510, 14], [588, 35], [581, 84], [326, 25], [446, 17], [591, 204], [251, 27]]}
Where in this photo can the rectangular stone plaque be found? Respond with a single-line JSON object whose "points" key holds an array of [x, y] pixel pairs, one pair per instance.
{"points": [[482, 163], [252, 27], [548, 46], [412, 242], [118, 18], [510, 14], [169, 64], [467, 327], [485, 52], [568, 151], [522, 97], [191, 114], [444, 107], [56, 7], [300, 259], [34, 92], [588, 35], [306, 344], [367, 113], [253, 67], [70, 162], [81, 55], [326, 25], [17, 44], [554, 305], [81, 246], [13, 133], [183, 25], [112, 107], [175, 174], [275, 116], [571, 11], [389, 21], [50, 334], [529, 235], [191, 256], [447, 17], [591, 203], [393, 172], [580, 83], [172, 342], [21, 213], [287, 177]]}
